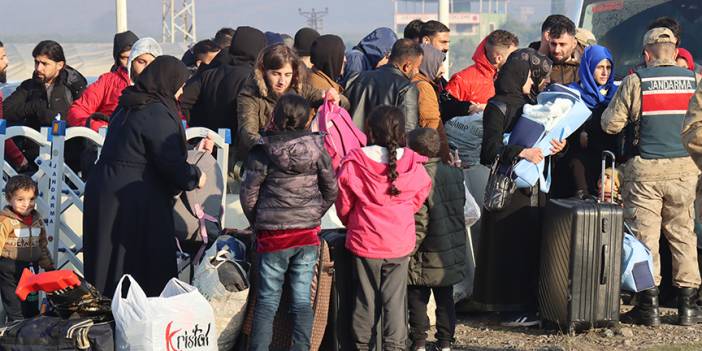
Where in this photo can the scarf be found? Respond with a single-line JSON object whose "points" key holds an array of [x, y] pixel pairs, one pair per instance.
{"points": [[433, 58], [159, 82], [593, 94], [327, 55]]}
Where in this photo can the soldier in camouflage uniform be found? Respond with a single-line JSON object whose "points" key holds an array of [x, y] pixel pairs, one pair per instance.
{"points": [[659, 177]]}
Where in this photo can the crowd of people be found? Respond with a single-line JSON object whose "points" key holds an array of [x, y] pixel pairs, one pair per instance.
{"points": [[401, 197]]}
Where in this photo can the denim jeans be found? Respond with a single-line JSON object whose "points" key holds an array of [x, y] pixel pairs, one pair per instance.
{"points": [[298, 263]]}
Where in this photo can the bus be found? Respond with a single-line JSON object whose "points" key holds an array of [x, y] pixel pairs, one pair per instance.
{"points": [[621, 24]]}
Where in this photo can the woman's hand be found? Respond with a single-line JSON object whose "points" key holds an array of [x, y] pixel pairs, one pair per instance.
{"points": [[334, 95], [557, 146], [476, 108], [203, 180], [533, 155], [206, 144]]}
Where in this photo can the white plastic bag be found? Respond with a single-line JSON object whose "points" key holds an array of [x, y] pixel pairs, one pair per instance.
{"points": [[180, 319], [229, 307], [471, 210]]}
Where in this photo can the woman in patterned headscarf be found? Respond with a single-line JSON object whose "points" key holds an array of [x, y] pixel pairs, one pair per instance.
{"points": [[508, 255]]}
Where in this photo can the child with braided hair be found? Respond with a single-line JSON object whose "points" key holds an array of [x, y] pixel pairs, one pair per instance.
{"points": [[381, 187]]}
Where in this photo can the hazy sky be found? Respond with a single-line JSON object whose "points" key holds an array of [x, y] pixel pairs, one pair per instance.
{"points": [[94, 20]]}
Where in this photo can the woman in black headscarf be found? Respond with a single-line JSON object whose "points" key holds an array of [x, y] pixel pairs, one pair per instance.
{"points": [[328, 57], [128, 218], [507, 262]]}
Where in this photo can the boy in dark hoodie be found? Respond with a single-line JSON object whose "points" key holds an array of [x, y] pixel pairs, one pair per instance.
{"points": [[23, 242], [287, 187], [439, 257]]}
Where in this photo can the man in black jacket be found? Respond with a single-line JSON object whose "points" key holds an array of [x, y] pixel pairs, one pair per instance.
{"points": [[47, 95], [388, 85]]}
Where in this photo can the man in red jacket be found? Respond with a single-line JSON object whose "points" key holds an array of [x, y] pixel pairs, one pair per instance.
{"points": [[100, 99], [475, 84], [12, 152]]}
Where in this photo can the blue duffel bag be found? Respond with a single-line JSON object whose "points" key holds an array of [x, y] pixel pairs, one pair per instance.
{"points": [[637, 264]]}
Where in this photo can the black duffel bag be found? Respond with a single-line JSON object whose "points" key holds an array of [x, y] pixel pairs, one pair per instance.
{"points": [[55, 333]]}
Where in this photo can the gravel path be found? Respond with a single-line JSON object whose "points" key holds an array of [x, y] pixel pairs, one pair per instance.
{"points": [[482, 332]]}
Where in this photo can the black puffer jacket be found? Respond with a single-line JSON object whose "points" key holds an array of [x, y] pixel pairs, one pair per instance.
{"points": [[209, 97], [440, 255], [30, 105], [289, 182], [386, 85]]}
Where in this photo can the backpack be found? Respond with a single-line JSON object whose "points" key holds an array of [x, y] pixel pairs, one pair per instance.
{"points": [[198, 212], [341, 134]]}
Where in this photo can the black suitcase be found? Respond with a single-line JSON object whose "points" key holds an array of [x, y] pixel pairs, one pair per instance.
{"points": [[580, 268], [54, 333], [337, 336]]}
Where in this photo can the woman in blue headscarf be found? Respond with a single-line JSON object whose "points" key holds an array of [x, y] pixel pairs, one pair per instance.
{"points": [[596, 87]]}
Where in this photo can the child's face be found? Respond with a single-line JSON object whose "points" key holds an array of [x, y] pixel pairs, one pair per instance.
{"points": [[23, 201], [607, 185]]}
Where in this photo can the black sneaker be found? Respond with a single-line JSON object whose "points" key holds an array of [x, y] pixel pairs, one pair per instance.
{"points": [[520, 319]]}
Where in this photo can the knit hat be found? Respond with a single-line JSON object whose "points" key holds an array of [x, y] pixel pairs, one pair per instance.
{"points": [[304, 39]]}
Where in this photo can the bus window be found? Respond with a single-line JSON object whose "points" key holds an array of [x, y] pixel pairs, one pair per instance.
{"points": [[621, 24]]}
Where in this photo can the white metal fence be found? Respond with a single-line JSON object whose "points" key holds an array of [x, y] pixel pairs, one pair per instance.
{"points": [[60, 198]]}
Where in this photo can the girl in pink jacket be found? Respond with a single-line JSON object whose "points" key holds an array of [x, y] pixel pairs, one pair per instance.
{"points": [[381, 187]]}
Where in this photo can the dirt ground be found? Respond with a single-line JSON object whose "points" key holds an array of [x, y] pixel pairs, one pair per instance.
{"points": [[482, 332]]}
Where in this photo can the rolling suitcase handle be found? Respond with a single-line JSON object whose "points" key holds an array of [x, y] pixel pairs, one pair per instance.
{"points": [[605, 224], [606, 154]]}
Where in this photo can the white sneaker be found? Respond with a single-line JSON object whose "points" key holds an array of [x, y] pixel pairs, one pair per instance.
{"points": [[518, 320]]}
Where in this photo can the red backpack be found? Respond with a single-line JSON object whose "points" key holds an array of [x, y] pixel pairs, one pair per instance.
{"points": [[342, 135]]}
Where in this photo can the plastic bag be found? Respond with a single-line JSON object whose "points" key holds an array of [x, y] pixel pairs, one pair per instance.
{"points": [[179, 319], [471, 210], [228, 302]]}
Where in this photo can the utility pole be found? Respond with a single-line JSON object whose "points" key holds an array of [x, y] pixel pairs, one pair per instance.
{"points": [[121, 13], [178, 20], [444, 15], [314, 18]]}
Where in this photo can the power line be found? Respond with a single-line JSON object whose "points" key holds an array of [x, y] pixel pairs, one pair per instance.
{"points": [[315, 18]]}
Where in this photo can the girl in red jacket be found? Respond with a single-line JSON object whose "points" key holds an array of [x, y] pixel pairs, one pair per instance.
{"points": [[381, 187]]}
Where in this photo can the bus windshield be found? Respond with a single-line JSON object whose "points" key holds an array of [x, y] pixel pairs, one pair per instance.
{"points": [[621, 24]]}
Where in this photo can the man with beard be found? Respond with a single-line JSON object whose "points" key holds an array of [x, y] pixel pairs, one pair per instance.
{"points": [[390, 84], [47, 95]]}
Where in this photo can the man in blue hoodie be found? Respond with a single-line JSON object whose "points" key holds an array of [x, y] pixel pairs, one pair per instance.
{"points": [[371, 53]]}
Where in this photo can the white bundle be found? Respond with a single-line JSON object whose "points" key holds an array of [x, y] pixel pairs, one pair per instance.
{"points": [[548, 113]]}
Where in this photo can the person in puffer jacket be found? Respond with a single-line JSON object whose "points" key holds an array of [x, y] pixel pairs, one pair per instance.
{"points": [[288, 186], [381, 187], [23, 242], [439, 257]]}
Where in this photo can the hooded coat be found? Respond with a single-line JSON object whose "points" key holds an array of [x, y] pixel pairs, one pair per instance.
{"points": [[255, 105], [210, 98], [380, 226], [366, 55], [121, 43], [477, 82], [128, 221], [287, 163]]}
